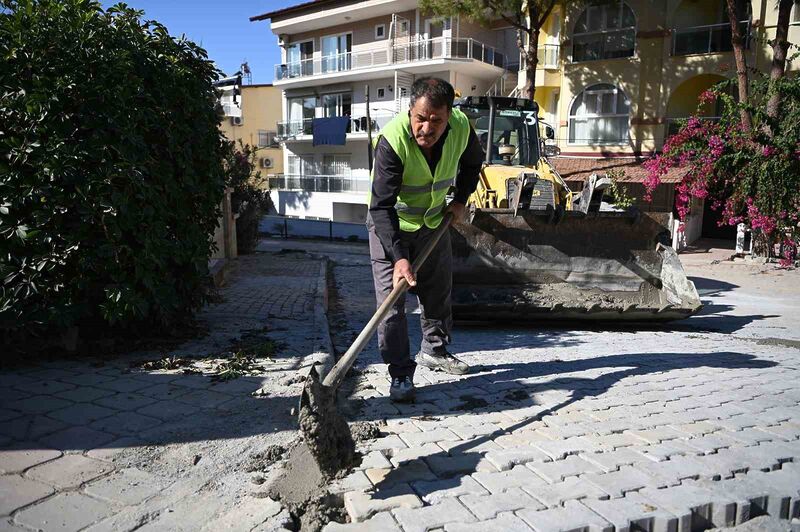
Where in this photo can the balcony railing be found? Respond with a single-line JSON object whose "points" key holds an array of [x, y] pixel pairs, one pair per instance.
{"points": [[319, 183], [421, 50], [548, 55], [358, 124], [710, 39]]}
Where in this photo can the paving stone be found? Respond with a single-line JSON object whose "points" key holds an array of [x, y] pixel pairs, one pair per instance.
{"points": [[125, 401], [16, 492], [448, 466], [407, 472], [432, 436], [739, 422], [695, 507], [615, 441], [110, 451], [562, 448], [87, 379], [436, 491], [38, 404], [659, 434], [573, 488], [664, 451], [164, 391], [518, 476], [750, 436], [204, 398], [556, 471], [127, 486], [430, 517], [573, 517], [506, 459], [627, 479], [468, 432], [69, 471], [408, 454], [23, 456], [698, 428], [634, 513], [195, 382], [45, 387], [382, 522], [789, 430], [562, 432], [386, 443], [168, 410], [77, 439], [780, 452], [727, 463], [84, 394], [82, 414], [65, 511], [361, 506], [503, 523], [355, 481], [613, 460], [401, 426], [126, 423], [486, 507], [252, 514], [677, 469], [123, 385], [28, 428], [374, 460], [479, 445], [711, 443]]}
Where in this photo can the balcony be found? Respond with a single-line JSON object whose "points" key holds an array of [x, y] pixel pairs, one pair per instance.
{"points": [[710, 39], [548, 56], [319, 183], [292, 129], [440, 48]]}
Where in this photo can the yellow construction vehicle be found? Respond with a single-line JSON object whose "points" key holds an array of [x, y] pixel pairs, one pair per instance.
{"points": [[534, 249]]}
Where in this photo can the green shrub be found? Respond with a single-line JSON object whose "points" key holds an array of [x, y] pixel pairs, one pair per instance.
{"points": [[249, 197], [110, 169]]}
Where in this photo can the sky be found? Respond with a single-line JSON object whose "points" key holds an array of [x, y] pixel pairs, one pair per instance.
{"points": [[223, 28]]}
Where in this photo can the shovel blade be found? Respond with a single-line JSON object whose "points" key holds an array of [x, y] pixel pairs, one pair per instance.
{"points": [[324, 430]]}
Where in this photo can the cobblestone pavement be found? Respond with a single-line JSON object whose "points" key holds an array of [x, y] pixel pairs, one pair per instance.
{"points": [[681, 427], [104, 445]]}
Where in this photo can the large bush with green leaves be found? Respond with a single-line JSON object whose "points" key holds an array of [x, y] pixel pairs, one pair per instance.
{"points": [[111, 169], [250, 198]]}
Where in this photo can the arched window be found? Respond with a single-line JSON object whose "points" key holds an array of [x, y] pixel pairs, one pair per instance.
{"points": [[605, 30], [599, 115]]}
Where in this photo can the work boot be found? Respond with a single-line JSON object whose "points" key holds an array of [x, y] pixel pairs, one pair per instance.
{"points": [[443, 362], [402, 390]]}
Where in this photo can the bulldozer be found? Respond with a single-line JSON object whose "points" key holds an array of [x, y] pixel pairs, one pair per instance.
{"points": [[535, 250]]}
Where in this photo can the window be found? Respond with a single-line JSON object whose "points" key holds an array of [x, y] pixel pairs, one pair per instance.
{"points": [[336, 104], [299, 60], [336, 52], [796, 12], [381, 93], [301, 164], [599, 115], [266, 139], [336, 164], [604, 31], [301, 112], [380, 31]]}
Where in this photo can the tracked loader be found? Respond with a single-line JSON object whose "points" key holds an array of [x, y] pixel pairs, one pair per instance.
{"points": [[537, 250]]}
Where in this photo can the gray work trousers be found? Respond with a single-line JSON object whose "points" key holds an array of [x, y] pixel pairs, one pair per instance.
{"points": [[434, 283]]}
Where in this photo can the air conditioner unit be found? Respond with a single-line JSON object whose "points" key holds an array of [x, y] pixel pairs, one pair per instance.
{"points": [[266, 162], [237, 120]]}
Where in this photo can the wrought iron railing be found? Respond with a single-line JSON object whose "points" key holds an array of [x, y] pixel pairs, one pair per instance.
{"points": [[318, 183], [358, 124], [420, 50]]}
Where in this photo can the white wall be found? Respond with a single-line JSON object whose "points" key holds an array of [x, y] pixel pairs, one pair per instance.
{"points": [[321, 204]]}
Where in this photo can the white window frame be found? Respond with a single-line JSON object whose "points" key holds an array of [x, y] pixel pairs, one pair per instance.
{"points": [[604, 30], [794, 18], [382, 28], [329, 162], [323, 56], [590, 116], [270, 136], [339, 102], [311, 58]]}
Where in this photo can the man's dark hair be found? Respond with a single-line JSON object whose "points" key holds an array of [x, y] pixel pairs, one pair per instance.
{"points": [[438, 91]]}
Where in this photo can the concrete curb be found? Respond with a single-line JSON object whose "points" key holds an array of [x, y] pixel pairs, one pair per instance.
{"points": [[324, 359]]}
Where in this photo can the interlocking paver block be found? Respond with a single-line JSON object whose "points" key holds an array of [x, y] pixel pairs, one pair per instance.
{"points": [[87, 379], [448, 466], [574, 488], [382, 522], [613, 460], [127, 486], [125, 401], [508, 458], [432, 436], [16, 492], [46, 387], [694, 506], [664, 451], [124, 385], [627, 479], [84, 394], [77, 439], [20, 458], [562, 448], [506, 522], [488, 506], [361, 506], [711, 443], [407, 454], [82, 414], [251, 514], [167, 410], [749, 436], [497, 482], [126, 423], [110, 451], [677, 469], [38, 404], [435, 491], [69, 471], [659, 434], [65, 511], [556, 471], [204, 398], [428, 517], [164, 391], [407, 472], [573, 517], [634, 513], [27, 428]]}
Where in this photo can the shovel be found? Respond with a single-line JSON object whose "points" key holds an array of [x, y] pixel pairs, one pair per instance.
{"points": [[325, 431]]}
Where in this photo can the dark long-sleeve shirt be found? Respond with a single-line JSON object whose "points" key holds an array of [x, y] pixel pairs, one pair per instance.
{"points": [[389, 178]]}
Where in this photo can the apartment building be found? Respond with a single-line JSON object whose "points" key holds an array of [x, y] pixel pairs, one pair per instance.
{"points": [[614, 79], [337, 53], [251, 113]]}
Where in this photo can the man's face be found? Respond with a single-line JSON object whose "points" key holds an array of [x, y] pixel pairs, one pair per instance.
{"points": [[428, 122]]}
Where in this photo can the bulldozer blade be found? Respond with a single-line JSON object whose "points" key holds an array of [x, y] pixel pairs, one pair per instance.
{"points": [[324, 430], [582, 266]]}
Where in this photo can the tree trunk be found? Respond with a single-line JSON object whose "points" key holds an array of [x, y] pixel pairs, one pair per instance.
{"points": [[741, 65], [780, 47], [531, 61]]}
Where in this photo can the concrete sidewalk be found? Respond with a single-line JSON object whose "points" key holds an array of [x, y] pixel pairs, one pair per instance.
{"points": [[102, 444], [681, 427]]}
